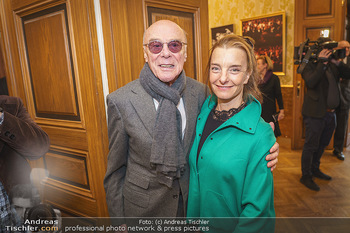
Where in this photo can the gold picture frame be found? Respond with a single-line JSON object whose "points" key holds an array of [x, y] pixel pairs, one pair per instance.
{"points": [[269, 33]]}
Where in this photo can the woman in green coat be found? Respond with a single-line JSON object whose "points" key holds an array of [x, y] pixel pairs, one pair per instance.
{"points": [[228, 173]]}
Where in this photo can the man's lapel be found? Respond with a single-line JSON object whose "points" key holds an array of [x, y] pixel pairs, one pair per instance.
{"points": [[144, 106], [191, 109]]}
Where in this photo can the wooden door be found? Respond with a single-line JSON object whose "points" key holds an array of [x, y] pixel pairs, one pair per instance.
{"points": [[125, 21], [311, 17], [3, 82], [52, 62]]}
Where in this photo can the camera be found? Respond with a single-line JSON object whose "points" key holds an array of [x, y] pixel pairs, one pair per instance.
{"points": [[43, 218], [308, 51], [26, 205]]}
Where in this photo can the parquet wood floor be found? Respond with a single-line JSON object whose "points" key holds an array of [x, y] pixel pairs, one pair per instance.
{"points": [[292, 199]]}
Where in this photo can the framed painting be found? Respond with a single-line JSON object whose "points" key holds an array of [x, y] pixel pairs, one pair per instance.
{"points": [[218, 32], [269, 32]]}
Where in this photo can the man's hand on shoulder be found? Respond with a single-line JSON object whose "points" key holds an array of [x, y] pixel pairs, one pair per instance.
{"points": [[272, 158]]}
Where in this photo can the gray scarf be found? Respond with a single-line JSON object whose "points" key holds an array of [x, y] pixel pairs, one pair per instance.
{"points": [[167, 153]]}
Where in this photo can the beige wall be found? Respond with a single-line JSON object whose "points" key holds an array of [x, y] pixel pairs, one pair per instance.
{"points": [[224, 12]]}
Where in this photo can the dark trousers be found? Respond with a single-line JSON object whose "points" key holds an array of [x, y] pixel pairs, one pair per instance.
{"points": [[341, 129], [318, 134]]}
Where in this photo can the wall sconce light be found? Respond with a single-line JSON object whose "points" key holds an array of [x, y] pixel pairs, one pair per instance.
{"points": [[325, 33]]}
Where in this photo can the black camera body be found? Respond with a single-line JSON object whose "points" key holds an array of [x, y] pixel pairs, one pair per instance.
{"points": [[308, 51]]}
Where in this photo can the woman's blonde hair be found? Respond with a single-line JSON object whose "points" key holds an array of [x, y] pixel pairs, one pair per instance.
{"points": [[247, 45], [266, 60]]}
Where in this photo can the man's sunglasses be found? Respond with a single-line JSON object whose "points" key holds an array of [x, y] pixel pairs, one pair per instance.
{"points": [[156, 47]]}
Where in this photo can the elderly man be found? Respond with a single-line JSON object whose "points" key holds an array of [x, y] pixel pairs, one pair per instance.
{"points": [[151, 125], [342, 112]]}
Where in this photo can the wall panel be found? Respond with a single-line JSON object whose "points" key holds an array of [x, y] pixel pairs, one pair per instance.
{"points": [[51, 67], [314, 8]]}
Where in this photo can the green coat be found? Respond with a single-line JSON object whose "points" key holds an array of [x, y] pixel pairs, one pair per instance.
{"points": [[231, 178]]}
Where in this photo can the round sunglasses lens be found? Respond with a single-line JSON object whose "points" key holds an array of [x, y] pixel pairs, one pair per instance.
{"points": [[155, 47], [175, 46]]}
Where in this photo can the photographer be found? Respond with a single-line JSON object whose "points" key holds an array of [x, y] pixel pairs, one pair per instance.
{"points": [[321, 77], [20, 139], [342, 112]]}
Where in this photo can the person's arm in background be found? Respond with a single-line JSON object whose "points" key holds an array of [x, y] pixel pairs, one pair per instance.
{"points": [[21, 133], [278, 94], [274, 151]]}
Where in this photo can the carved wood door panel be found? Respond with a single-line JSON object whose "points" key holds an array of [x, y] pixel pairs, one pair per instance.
{"points": [[53, 63]]}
